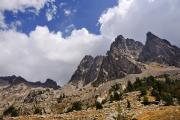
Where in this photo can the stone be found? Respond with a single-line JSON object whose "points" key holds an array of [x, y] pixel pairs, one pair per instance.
{"points": [[160, 51]]}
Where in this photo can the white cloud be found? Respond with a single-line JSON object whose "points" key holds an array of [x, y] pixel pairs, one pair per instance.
{"points": [[2, 22], [134, 18], [62, 4], [51, 11], [44, 54], [70, 28], [119, 10], [67, 12], [21, 5]]}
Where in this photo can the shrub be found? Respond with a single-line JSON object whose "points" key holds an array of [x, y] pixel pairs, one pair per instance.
{"points": [[12, 111], [145, 100], [130, 86], [77, 106], [98, 105], [143, 91], [128, 104], [37, 111], [116, 96], [156, 94], [168, 99]]}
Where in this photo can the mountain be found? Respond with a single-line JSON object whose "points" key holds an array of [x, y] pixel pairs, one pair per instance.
{"points": [[88, 70], [160, 51], [116, 84], [119, 61], [15, 80]]}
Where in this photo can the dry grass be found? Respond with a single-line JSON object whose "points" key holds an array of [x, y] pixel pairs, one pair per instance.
{"points": [[164, 113]]}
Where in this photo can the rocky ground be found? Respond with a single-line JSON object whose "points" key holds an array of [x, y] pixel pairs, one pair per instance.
{"points": [[51, 104], [113, 111]]}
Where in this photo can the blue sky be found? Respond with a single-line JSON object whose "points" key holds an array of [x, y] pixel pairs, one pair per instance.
{"points": [[80, 13]]}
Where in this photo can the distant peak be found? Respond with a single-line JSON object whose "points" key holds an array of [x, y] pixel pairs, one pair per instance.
{"points": [[151, 36], [87, 57], [120, 37]]}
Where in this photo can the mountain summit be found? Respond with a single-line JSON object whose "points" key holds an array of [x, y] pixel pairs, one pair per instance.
{"points": [[123, 58], [160, 51], [119, 61], [15, 80]]}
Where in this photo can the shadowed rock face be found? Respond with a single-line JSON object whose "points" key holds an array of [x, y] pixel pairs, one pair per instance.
{"points": [[126, 47], [88, 70], [160, 50], [14, 80], [119, 61]]}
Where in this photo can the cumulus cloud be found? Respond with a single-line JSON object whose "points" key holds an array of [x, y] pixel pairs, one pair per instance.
{"points": [[44, 54], [21, 5], [133, 18], [2, 22]]}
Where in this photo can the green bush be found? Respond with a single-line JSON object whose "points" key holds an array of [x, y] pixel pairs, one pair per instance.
{"points": [[143, 91], [156, 94], [168, 99], [98, 105], [162, 90], [77, 106], [11, 111], [145, 100], [128, 104], [37, 111], [129, 86], [115, 96]]}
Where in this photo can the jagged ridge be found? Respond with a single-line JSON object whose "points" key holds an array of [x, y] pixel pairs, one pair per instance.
{"points": [[15, 80], [119, 61]]}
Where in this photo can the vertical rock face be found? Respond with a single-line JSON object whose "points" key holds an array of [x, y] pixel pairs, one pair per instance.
{"points": [[160, 50], [88, 70], [82, 70], [126, 47], [119, 61], [93, 72]]}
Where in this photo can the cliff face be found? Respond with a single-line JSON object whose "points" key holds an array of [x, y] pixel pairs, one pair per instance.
{"points": [[119, 61], [122, 58], [127, 47], [88, 70], [160, 50]]}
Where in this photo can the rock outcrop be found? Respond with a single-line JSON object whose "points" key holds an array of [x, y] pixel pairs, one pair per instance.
{"points": [[15, 80], [126, 47], [160, 51], [87, 71], [119, 61]]}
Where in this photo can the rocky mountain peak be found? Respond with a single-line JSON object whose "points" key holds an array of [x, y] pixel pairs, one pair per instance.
{"points": [[87, 70], [119, 61], [51, 84], [151, 36], [128, 47], [16, 80], [160, 50], [119, 44], [86, 61]]}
